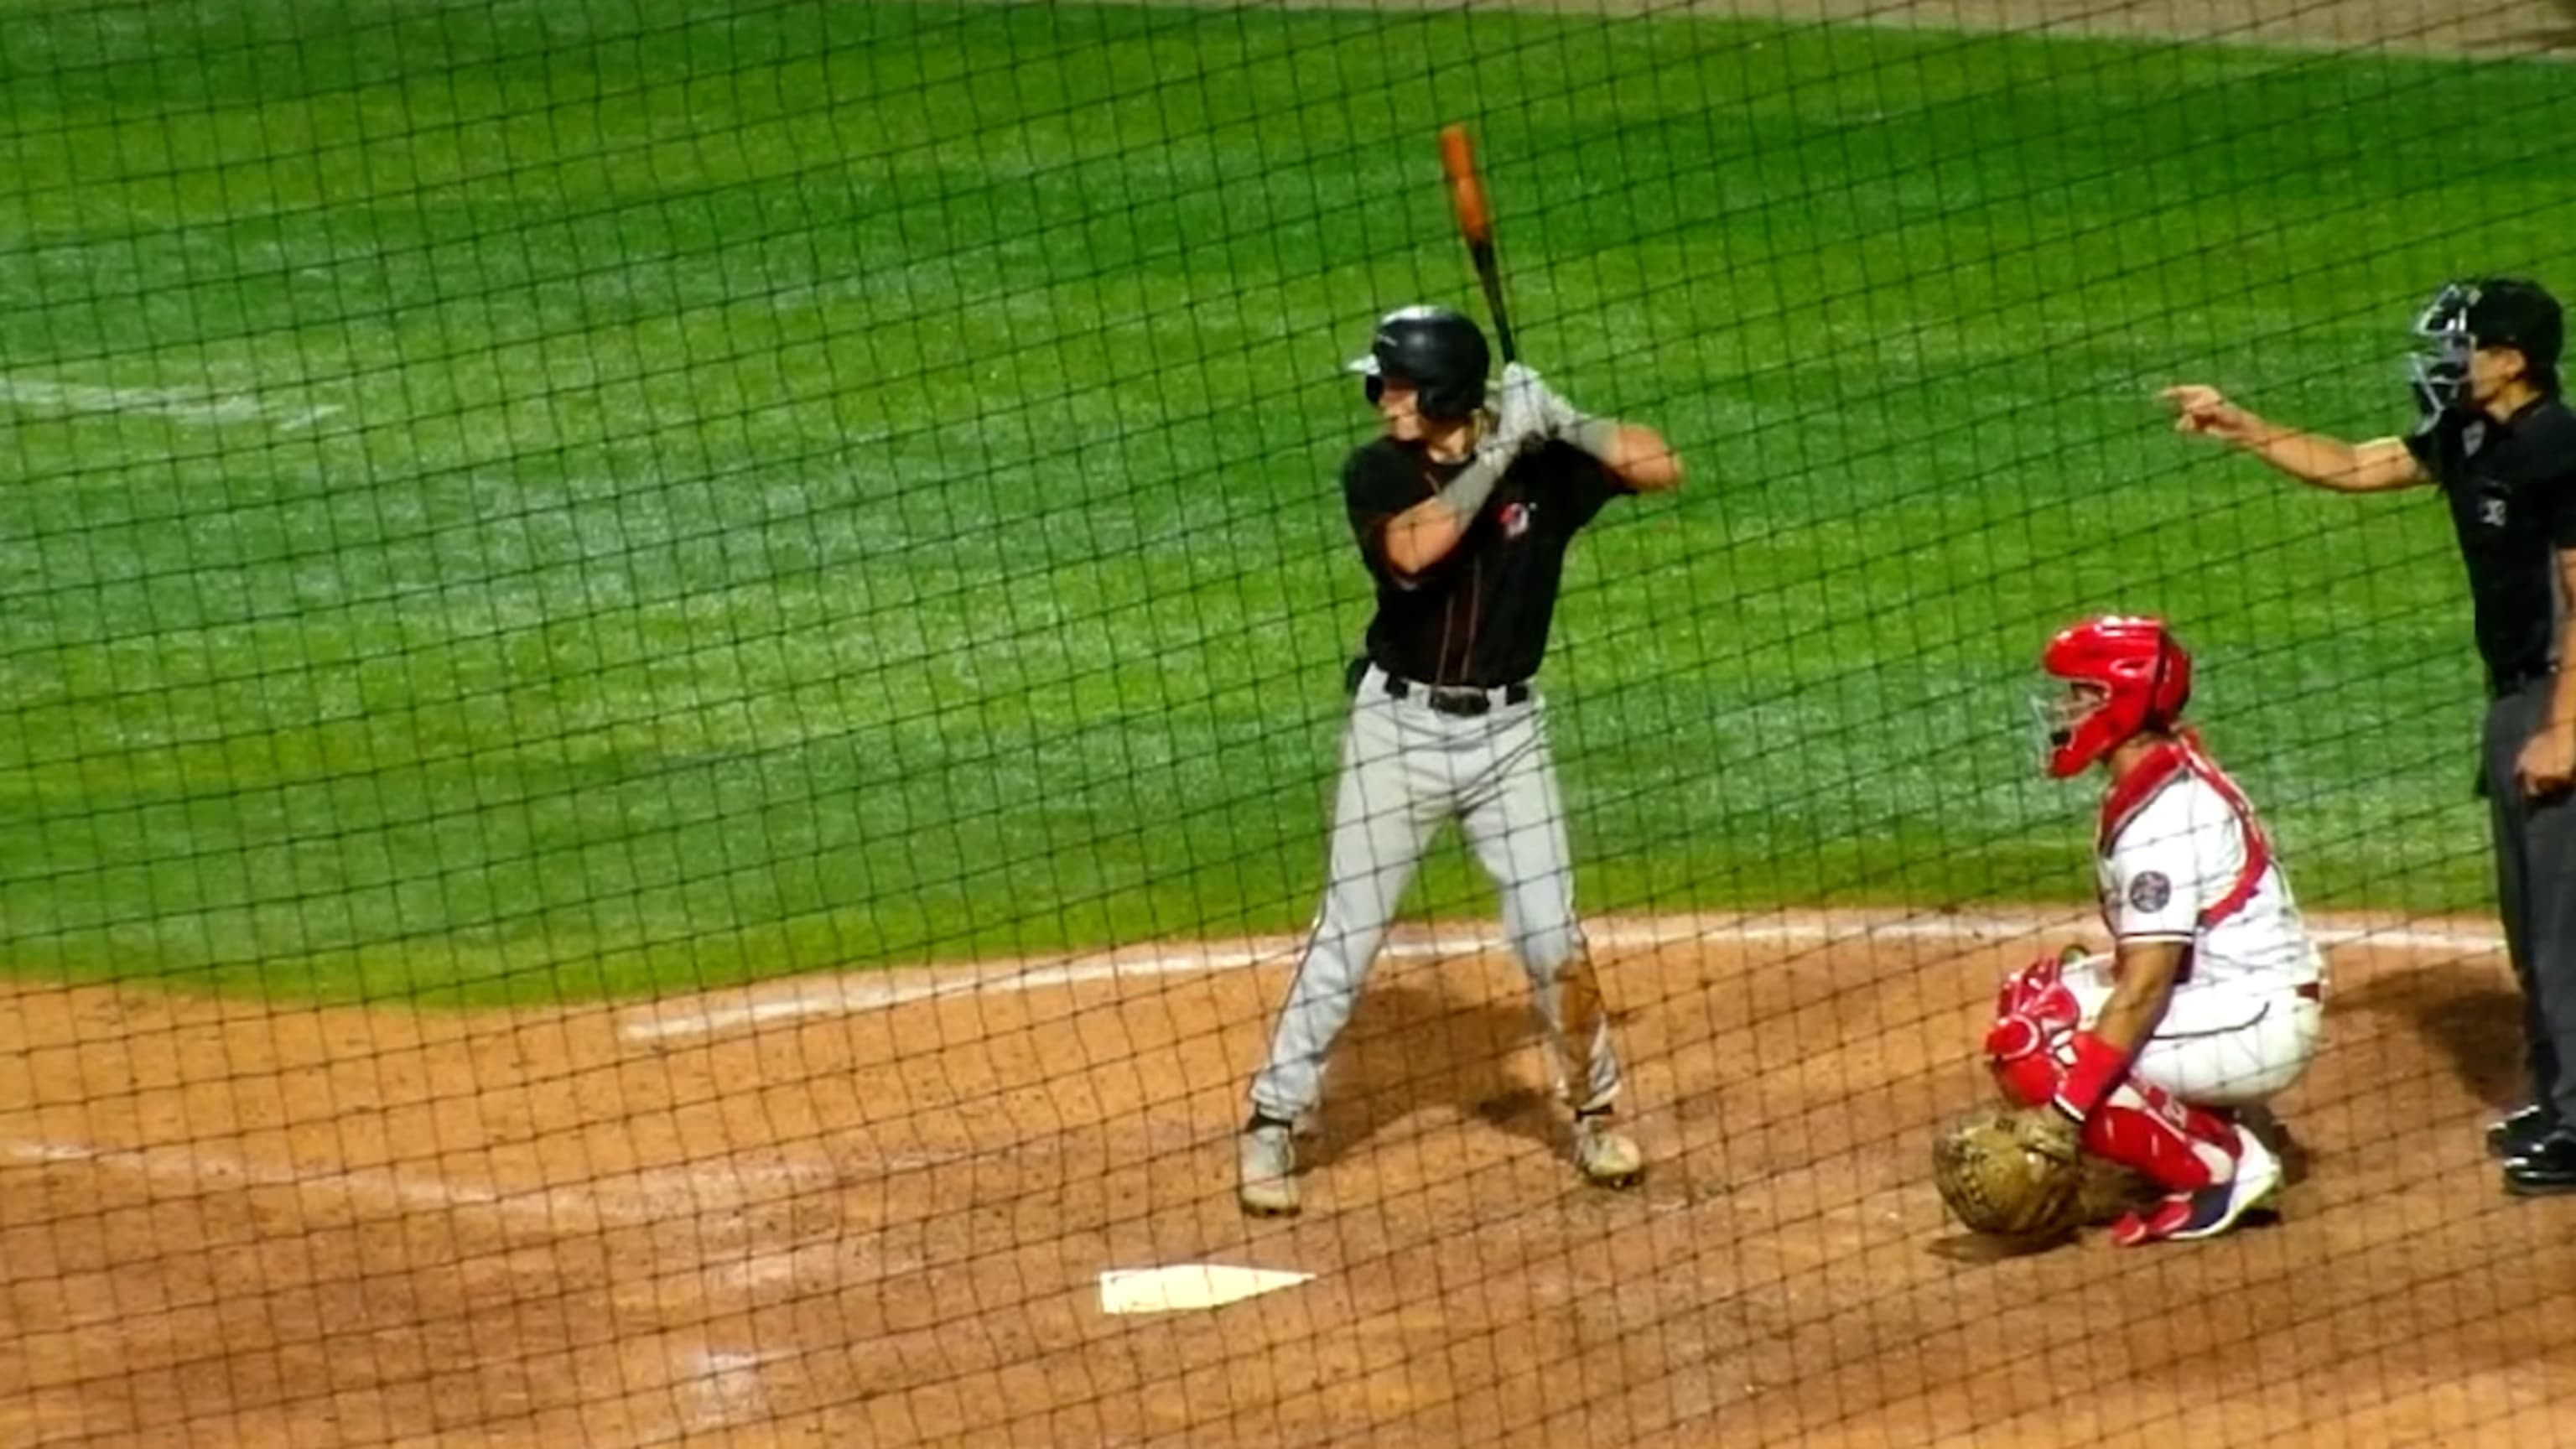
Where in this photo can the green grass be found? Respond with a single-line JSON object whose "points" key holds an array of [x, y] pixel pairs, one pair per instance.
{"points": [[609, 497]]}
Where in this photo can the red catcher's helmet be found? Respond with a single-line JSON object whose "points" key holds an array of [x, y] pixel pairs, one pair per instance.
{"points": [[2137, 663]]}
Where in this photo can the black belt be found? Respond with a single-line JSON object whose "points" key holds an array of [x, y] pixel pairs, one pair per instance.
{"points": [[1459, 699]]}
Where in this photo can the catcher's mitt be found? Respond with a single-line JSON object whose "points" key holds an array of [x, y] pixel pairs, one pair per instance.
{"points": [[2015, 1172], [2108, 1190]]}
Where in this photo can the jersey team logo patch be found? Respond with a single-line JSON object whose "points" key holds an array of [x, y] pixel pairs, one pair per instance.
{"points": [[2150, 891], [1516, 518]]}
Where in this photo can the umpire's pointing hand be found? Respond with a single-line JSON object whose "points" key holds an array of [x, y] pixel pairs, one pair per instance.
{"points": [[2202, 409]]}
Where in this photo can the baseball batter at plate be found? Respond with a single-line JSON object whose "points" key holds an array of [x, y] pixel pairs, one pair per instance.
{"points": [[2210, 1002], [1462, 515]]}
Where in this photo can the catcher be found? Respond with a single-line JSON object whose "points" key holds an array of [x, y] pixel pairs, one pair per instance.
{"points": [[2211, 1003]]}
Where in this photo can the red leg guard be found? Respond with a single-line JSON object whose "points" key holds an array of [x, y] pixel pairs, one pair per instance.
{"points": [[2178, 1147]]}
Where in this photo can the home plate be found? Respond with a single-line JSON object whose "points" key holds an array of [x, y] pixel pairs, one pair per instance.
{"points": [[1187, 1285]]}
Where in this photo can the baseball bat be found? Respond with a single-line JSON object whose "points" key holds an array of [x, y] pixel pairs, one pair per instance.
{"points": [[1476, 224]]}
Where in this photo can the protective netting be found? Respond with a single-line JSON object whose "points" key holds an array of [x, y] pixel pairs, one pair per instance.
{"points": [[684, 679]]}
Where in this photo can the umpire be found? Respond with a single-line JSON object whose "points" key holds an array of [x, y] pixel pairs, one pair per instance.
{"points": [[2498, 442]]}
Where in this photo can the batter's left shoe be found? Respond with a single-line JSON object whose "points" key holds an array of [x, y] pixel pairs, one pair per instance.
{"points": [[2185, 1216], [1606, 1156]]}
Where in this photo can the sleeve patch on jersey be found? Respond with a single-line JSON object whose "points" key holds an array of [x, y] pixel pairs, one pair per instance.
{"points": [[2151, 891]]}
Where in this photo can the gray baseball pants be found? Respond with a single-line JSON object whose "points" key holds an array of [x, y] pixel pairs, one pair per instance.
{"points": [[1406, 770], [2535, 852]]}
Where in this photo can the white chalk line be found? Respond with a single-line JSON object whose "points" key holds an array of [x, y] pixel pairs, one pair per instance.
{"points": [[849, 994], [637, 1196], [782, 1268], [721, 1386], [178, 406], [708, 1388], [854, 993], [849, 1256]]}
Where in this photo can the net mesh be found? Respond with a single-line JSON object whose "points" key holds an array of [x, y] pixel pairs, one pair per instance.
{"points": [[681, 743]]}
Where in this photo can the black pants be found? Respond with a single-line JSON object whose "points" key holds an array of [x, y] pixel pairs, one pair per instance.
{"points": [[2535, 851]]}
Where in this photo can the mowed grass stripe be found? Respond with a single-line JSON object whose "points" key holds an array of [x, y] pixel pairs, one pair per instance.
{"points": [[817, 486]]}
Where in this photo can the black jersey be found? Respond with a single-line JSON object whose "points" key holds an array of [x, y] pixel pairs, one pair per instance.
{"points": [[1480, 615], [2512, 492]]}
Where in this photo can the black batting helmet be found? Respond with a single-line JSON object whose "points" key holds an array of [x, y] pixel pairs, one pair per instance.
{"points": [[1440, 352]]}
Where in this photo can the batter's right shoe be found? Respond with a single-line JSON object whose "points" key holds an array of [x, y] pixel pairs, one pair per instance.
{"points": [[2186, 1216], [1606, 1156], [1266, 1170]]}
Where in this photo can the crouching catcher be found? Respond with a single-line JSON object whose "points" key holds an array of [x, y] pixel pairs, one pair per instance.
{"points": [[2161, 1056]]}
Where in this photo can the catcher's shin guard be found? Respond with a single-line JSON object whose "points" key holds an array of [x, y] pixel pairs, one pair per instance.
{"points": [[2176, 1146], [2184, 1216]]}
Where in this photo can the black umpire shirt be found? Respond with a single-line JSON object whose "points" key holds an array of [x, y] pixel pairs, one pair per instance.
{"points": [[1480, 615], [2512, 491]]}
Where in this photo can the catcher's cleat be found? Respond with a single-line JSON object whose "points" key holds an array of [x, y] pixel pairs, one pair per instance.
{"points": [[1266, 1167], [2209, 1211], [1606, 1156]]}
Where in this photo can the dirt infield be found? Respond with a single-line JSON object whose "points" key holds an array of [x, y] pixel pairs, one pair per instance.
{"points": [[874, 1211]]}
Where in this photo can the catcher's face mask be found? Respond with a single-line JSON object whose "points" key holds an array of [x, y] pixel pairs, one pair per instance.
{"points": [[2441, 363], [2058, 710]]}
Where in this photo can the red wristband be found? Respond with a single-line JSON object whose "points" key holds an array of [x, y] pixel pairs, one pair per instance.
{"points": [[2097, 1069]]}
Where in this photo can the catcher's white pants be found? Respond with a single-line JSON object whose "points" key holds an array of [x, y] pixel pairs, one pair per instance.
{"points": [[2222, 1043]]}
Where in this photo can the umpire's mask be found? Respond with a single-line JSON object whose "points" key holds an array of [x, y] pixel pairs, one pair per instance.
{"points": [[2441, 362]]}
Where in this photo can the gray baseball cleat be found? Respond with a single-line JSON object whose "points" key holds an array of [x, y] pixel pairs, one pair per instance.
{"points": [[1607, 1156], [1266, 1163]]}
